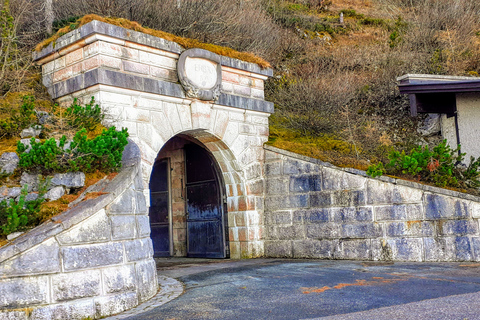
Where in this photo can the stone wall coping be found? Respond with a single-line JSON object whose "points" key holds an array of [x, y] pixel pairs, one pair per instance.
{"points": [[387, 179], [131, 166], [98, 27], [122, 80]]}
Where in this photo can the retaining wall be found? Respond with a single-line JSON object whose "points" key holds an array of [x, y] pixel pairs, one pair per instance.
{"points": [[93, 260], [316, 210]]}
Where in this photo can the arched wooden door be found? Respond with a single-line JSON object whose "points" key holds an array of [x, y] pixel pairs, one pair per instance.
{"points": [[205, 207]]}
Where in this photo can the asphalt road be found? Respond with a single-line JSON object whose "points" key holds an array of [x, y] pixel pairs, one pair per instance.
{"points": [[308, 289]]}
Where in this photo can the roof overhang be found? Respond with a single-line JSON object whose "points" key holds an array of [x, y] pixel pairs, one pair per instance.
{"points": [[435, 94]]}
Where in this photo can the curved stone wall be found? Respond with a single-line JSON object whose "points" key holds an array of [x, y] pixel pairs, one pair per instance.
{"points": [[93, 260], [316, 210]]}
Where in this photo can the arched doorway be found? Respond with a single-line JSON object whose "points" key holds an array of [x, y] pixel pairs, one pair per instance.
{"points": [[187, 202]]}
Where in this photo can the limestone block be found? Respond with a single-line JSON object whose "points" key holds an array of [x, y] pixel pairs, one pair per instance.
{"points": [[443, 207], [143, 226], [141, 203], [13, 192], [278, 217], [146, 275], [273, 168], [123, 227], [161, 124], [351, 214], [458, 227], [295, 201], [139, 249], [136, 67], [293, 232], [92, 255], [171, 111], [277, 186], [362, 230], [253, 171], [410, 228], [305, 183], [8, 162], [353, 249], [77, 310], [113, 304], [312, 216], [157, 60], [201, 114], [380, 192], [185, 113], [475, 209], [316, 249], [28, 144], [94, 229], [22, 292], [137, 114], [231, 133], [30, 197], [320, 199], [335, 179], [221, 123], [278, 249], [439, 248], [75, 285], [124, 204], [406, 249], [13, 315], [43, 258], [463, 249], [476, 247], [69, 179], [398, 212], [55, 193], [118, 279], [345, 198], [292, 167], [325, 230]]}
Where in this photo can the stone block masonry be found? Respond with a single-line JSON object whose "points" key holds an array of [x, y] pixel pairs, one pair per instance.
{"points": [[93, 260], [316, 210]]}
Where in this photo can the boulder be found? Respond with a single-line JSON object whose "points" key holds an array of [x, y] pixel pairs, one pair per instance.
{"points": [[42, 117], [31, 180], [55, 193], [27, 144], [69, 179], [33, 131], [8, 162], [431, 125]]}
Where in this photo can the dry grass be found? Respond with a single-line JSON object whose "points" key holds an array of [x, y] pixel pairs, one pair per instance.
{"points": [[184, 42]]}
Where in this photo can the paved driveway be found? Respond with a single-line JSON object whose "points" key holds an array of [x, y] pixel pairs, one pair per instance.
{"points": [[306, 289]]}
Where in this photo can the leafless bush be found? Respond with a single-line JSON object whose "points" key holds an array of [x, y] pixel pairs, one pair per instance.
{"points": [[242, 25]]}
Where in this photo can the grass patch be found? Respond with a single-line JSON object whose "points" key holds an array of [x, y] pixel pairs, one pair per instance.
{"points": [[132, 25]]}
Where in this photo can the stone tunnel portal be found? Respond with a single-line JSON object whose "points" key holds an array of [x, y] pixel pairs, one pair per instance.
{"points": [[187, 202]]}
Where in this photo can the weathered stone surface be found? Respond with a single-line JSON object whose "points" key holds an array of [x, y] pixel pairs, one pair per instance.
{"points": [[361, 230], [406, 249], [77, 310], [75, 285], [305, 183], [22, 292], [55, 193], [141, 203], [350, 214], [94, 229], [320, 199], [410, 228], [34, 131], [441, 207], [28, 144], [430, 126], [347, 198], [439, 249], [317, 249], [31, 196], [459, 227], [278, 249], [278, 217], [118, 279], [353, 249], [93, 255], [143, 226], [139, 249], [463, 249], [69, 179], [14, 235], [13, 315], [146, 274], [124, 204], [107, 305], [399, 212], [309, 216], [42, 116], [8, 162], [324, 231], [31, 180], [123, 227], [14, 192], [40, 259]]}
